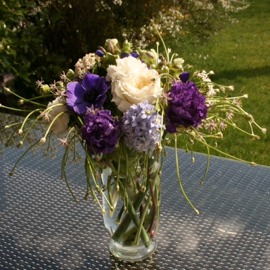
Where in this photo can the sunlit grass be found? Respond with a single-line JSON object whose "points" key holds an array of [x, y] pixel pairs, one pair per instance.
{"points": [[240, 55]]}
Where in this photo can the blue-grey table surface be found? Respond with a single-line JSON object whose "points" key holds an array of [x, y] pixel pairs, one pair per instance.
{"points": [[42, 228]]}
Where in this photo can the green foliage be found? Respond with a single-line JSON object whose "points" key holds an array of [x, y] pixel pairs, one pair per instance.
{"points": [[22, 49], [39, 38], [239, 55]]}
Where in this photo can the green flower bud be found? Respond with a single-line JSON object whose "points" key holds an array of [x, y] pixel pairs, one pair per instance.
{"points": [[108, 59], [150, 57], [70, 75], [60, 85], [127, 47], [44, 89], [112, 46]]}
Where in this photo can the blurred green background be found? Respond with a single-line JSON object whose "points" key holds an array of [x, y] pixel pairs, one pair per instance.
{"points": [[40, 39]]}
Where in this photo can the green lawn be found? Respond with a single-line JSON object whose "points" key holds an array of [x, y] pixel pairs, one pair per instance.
{"points": [[240, 55]]}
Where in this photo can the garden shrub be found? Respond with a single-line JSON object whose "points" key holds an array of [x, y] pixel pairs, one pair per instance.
{"points": [[39, 38]]}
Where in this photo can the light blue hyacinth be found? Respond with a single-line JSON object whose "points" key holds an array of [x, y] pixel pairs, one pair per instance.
{"points": [[141, 126]]}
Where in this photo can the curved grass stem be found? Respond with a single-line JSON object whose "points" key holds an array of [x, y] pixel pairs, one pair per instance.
{"points": [[179, 177]]}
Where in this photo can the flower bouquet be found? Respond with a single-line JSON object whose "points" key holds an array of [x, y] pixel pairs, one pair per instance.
{"points": [[123, 105]]}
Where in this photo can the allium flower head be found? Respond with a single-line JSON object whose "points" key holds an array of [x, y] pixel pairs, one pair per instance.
{"points": [[186, 106], [90, 92], [100, 131], [141, 126]]}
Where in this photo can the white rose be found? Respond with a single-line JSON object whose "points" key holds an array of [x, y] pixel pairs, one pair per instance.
{"points": [[133, 82], [54, 108]]}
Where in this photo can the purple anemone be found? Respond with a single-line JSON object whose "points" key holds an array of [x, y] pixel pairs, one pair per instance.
{"points": [[90, 92]]}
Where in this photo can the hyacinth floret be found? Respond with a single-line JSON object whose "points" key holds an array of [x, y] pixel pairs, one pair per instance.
{"points": [[141, 126]]}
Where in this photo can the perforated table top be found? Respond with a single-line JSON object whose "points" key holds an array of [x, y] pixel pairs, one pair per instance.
{"points": [[42, 228]]}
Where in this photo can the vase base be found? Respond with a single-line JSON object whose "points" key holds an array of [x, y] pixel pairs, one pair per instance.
{"points": [[132, 253]]}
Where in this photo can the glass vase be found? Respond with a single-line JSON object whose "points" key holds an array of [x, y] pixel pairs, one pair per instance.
{"points": [[131, 209]]}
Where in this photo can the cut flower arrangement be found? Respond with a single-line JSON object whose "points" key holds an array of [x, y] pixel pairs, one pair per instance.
{"points": [[123, 105]]}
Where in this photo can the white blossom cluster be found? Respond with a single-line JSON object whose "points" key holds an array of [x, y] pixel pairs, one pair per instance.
{"points": [[104, 6], [203, 4], [85, 64], [170, 21], [234, 5], [167, 22], [117, 2]]}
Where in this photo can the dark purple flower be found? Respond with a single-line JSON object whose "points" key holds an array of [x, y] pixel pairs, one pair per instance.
{"points": [[100, 131], [184, 76], [99, 53], [186, 106], [133, 54], [90, 92]]}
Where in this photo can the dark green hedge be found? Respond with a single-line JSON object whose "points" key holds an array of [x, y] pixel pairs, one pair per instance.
{"points": [[40, 38]]}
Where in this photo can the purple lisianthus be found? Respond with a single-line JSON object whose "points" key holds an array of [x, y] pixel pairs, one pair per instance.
{"points": [[100, 131], [90, 92], [133, 54], [186, 106], [100, 53], [141, 126], [184, 76]]}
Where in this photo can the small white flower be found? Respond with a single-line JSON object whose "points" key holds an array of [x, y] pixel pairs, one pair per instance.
{"points": [[133, 82], [211, 90], [178, 62]]}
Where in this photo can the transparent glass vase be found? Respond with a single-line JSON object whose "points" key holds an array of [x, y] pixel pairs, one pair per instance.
{"points": [[132, 208]]}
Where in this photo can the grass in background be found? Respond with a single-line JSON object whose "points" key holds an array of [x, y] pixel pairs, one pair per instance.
{"points": [[240, 56]]}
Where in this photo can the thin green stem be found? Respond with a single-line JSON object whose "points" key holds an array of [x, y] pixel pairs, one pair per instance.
{"points": [[51, 124], [123, 226], [89, 171], [10, 138], [224, 153], [63, 173], [27, 132], [133, 215], [155, 207], [23, 155], [179, 177], [40, 97], [207, 165], [12, 125], [139, 231], [13, 109], [25, 99], [90, 168], [27, 116], [164, 46]]}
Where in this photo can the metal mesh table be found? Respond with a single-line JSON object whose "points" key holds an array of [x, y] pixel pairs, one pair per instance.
{"points": [[42, 228]]}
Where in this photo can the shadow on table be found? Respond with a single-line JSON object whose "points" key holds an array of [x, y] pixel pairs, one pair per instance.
{"points": [[149, 264]]}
